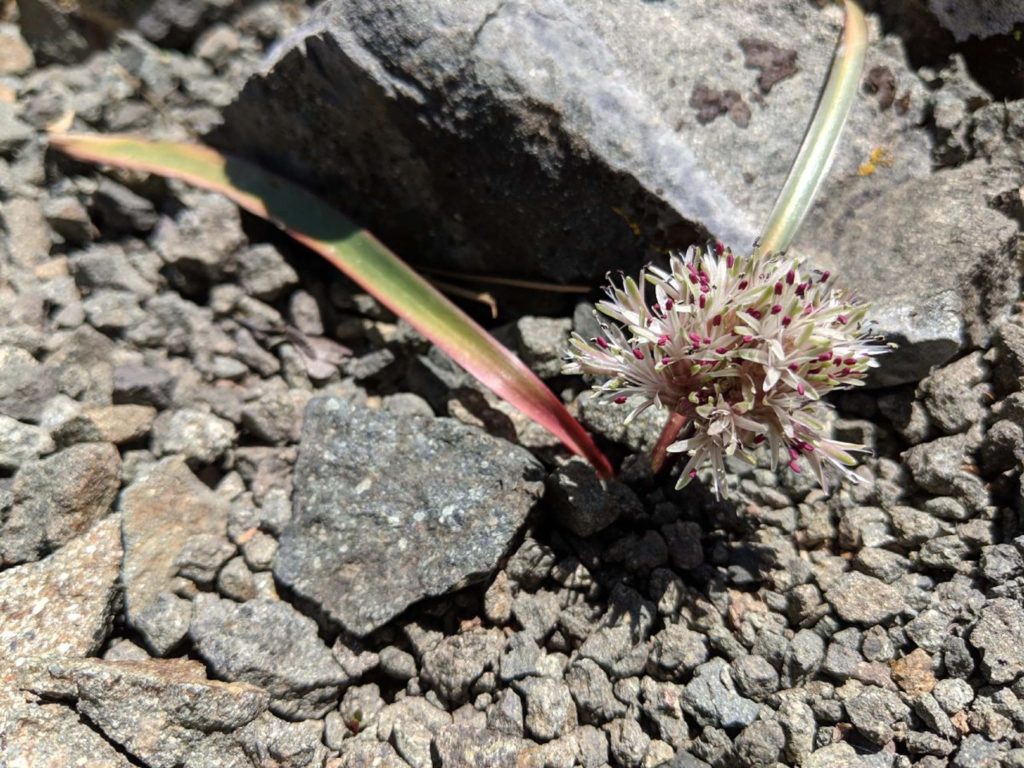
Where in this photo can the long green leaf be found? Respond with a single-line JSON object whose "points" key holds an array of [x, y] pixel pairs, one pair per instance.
{"points": [[822, 137], [359, 255]]}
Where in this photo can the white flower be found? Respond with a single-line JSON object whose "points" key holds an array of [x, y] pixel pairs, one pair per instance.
{"points": [[743, 347]]}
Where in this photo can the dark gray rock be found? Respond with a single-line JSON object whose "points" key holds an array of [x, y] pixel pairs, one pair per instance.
{"points": [[617, 650], [711, 698], [684, 544], [865, 600], [164, 622], [549, 707], [107, 265], [754, 676], [65, 603], [263, 272], [455, 663], [366, 541], [593, 693], [883, 564], [627, 742], [976, 752], [677, 649], [460, 744], [143, 385], [235, 580], [118, 209], [202, 555], [914, 527], [803, 658], [397, 664], [212, 220], [956, 395], [541, 343], [953, 694], [58, 498], [997, 635], [271, 645], [1003, 447], [14, 132], [877, 713], [520, 658], [936, 309], [531, 564], [584, 503], [1001, 562], [24, 388], [958, 658], [760, 744], [505, 715], [939, 468], [659, 702]]}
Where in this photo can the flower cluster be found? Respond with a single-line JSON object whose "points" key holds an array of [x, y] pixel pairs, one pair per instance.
{"points": [[743, 348]]}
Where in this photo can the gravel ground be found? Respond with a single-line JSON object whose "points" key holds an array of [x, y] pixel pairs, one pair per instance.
{"points": [[248, 518]]}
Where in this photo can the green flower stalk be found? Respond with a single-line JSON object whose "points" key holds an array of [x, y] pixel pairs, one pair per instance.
{"points": [[743, 348]]}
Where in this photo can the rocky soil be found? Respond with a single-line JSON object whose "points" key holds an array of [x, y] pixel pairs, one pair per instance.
{"points": [[248, 518]]}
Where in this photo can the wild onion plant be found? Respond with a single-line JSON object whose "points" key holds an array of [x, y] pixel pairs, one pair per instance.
{"points": [[741, 349]]}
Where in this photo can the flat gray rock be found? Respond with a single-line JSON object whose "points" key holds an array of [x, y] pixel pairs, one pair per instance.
{"points": [[50, 734], [389, 510], [479, 119], [65, 603], [270, 644], [160, 712]]}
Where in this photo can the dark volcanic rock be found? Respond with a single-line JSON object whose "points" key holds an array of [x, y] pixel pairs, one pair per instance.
{"points": [[389, 510]]}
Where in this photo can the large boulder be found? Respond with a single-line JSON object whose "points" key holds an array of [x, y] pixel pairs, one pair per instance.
{"points": [[559, 138]]}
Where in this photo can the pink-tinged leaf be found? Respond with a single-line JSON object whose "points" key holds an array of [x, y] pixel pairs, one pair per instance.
{"points": [[359, 255]]}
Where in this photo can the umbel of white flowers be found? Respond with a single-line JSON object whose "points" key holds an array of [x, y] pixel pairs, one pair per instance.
{"points": [[742, 347]]}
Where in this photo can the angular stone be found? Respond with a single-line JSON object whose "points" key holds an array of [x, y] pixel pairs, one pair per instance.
{"points": [[455, 663], [584, 503], [161, 510], [64, 604], [51, 735], [24, 388], [270, 644], [998, 636], [159, 712], [21, 442], [711, 698], [864, 599], [389, 510], [876, 713], [117, 424], [58, 498], [549, 707]]}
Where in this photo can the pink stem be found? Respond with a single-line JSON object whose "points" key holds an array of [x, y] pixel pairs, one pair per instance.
{"points": [[674, 425]]}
